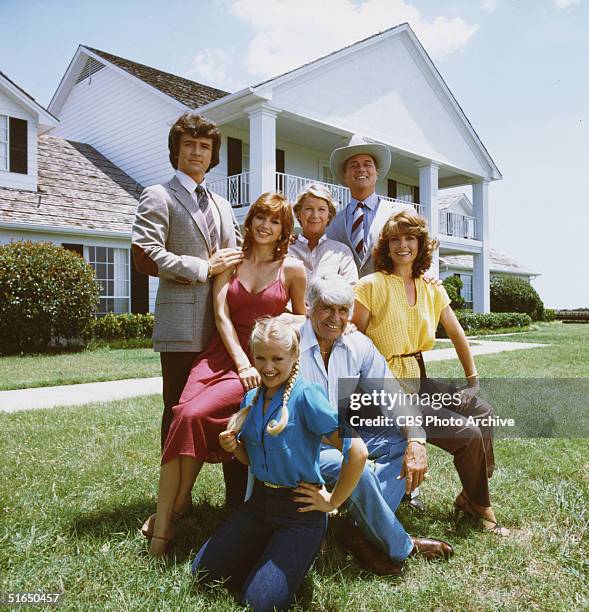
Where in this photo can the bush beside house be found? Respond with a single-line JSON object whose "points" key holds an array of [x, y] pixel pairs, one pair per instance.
{"points": [[482, 322], [512, 294], [46, 292], [453, 285]]}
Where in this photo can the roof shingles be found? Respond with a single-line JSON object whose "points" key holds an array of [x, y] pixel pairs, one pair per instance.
{"points": [[188, 92], [78, 188]]}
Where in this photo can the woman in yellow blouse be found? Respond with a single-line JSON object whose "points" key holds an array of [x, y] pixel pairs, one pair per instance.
{"points": [[400, 312]]}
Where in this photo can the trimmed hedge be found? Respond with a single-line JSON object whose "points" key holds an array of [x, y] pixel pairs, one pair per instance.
{"points": [[474, 322], [123, 326], [453, 285], [46, 292], [512, 294]]}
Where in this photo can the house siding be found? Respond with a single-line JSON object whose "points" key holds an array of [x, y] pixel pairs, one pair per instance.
{"points": [[122, 121], [394, 99], [15, 180]]}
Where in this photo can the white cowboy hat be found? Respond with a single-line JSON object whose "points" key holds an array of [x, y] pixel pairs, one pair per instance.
{"points": [[359, 145]]}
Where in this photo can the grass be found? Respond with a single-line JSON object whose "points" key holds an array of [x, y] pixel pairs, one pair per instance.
{"points": [[567, 355], [78, 482], [68, 368]]}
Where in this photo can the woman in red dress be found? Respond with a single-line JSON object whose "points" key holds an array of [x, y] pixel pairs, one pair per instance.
{"points": [[262, 284]]}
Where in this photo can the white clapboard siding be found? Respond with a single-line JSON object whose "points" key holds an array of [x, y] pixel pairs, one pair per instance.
{"points": [[123, 121], [14, 180]]}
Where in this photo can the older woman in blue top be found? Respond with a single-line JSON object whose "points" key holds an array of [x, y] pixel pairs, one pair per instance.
{"points": [[267, 546]]}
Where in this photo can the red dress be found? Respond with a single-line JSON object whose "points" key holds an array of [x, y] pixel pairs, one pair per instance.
{"points": [[213, 391]]}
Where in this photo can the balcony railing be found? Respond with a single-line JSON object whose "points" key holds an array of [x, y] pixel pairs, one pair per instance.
{"points": [[236, 190], [454, 224], [291, 185]]}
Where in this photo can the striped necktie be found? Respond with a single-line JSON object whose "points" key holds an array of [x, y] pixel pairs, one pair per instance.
{"points": [[358, 230], [205, 207]]}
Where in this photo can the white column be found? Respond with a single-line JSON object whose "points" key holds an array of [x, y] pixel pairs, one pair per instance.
{"points": [[428, 198], [480, 282], [262, 149]]}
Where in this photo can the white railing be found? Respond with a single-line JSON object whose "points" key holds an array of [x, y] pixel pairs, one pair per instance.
{"points": [[235, 188], [291, 185], [418, 207], [454, 224]]}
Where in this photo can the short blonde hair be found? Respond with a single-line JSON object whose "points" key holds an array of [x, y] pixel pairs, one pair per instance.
{"points": [[318, 191], [288, 337]]}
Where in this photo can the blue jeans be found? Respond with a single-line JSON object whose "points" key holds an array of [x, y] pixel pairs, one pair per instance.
{"points": [[377, 495], [265, 548]]}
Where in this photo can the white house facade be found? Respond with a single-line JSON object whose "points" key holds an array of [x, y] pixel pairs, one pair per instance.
{"points": [[279, 134]]}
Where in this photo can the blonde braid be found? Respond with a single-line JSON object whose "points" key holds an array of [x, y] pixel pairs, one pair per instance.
{"points": [[237, 420], [275, 427]]}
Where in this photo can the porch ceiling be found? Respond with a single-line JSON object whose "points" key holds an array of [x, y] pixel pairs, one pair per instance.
{"points": [[320, 137]]}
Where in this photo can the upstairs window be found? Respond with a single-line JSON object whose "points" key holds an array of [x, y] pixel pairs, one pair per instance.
{"points": [[13, 145], [3, 142]]}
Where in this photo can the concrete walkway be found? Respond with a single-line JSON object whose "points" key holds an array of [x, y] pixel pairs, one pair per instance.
{"points": [[88, 393]]}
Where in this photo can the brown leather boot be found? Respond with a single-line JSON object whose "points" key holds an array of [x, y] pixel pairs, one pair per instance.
{"points": [[366, 554]]}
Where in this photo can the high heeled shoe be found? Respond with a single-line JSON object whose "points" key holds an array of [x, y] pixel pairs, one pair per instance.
{"points": [[463, 504]]}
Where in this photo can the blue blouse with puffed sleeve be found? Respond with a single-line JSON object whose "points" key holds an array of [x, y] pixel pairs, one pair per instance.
{"points": [[293, 455]]}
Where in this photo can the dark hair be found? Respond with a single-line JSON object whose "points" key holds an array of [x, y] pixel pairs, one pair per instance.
{"points": [[402, 224], [198, 127], [270, 203]]}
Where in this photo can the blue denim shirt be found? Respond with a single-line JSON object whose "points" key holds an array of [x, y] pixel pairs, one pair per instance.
{"points": [[293, 455]]}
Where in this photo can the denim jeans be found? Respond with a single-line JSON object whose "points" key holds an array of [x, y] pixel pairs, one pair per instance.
{"points": [[265, 548], [378, 493]]}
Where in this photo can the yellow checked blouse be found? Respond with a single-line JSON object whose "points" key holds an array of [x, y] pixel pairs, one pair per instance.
{"points": [[397, 328]]}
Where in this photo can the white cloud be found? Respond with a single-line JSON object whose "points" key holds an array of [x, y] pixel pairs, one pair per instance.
{"points": [[562, 5], [488, 5], [213, 67], [290, 34]]}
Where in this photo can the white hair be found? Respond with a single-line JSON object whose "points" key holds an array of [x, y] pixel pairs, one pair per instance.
{"points": [[330, 291]]}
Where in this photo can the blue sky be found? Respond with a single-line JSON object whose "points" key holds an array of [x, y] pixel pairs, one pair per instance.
{"points": [[519, 69]]}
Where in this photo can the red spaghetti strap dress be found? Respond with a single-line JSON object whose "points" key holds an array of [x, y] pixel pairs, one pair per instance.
{"points": [[213, 391]]}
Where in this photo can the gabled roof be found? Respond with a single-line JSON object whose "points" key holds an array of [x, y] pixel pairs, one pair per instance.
{"points": [[46, 119], [498, 262], [188, 92], [78, 189], [449, 200]]}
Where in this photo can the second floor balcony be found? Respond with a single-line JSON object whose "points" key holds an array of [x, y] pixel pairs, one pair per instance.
{"points": [[236, 189]]}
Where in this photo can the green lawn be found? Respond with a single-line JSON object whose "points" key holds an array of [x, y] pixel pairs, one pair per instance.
{"points": [[78, 482], [566, 357], [68, 368]]}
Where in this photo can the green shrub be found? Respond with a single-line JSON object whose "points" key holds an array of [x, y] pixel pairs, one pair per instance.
{"points": [[123, 326], [549, 314], [511, 294], [453, 285], [46, 292], [475, 322]]}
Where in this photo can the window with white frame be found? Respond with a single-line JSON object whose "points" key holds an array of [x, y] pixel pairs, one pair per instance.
{"points": [[466, 291], [3, 142], [111, 266], [404, 192]]}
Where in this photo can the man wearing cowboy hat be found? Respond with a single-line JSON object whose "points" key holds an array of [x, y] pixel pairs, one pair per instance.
{"points": [[358, 167]]}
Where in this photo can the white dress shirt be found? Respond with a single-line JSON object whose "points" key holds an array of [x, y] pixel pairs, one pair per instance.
{"points": [[190, 185], [353, 358]]}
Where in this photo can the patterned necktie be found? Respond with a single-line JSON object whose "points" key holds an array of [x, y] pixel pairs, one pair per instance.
{"points": [[205, 207], [358, 230]]}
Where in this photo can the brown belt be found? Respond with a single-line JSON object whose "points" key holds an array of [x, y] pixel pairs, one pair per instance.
{"points": [[419, 357]]}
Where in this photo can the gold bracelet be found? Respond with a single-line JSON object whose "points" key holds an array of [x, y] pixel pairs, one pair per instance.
{"points": [[240, 370], [475, 375]]}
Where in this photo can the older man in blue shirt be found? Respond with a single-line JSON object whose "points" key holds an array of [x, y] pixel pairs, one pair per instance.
{"points": [[327, 357]]}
